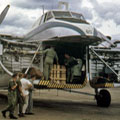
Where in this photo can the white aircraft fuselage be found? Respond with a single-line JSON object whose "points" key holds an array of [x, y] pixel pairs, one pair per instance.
{"points": [[64, 24]]}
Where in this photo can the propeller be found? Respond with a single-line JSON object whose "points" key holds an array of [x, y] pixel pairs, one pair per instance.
{"points": [[3, 14]]}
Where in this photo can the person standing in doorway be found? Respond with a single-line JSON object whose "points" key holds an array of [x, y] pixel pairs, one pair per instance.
{"points": [[50, 54], [69, 63]]}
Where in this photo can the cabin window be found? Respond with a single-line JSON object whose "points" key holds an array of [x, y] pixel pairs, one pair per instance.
{"points": [[61, 14]]}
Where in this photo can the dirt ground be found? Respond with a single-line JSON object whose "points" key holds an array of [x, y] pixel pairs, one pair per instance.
{"points": [[61, 105]]}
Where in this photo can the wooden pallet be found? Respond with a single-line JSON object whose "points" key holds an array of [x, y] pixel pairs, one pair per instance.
{"points": [[58, 74]]}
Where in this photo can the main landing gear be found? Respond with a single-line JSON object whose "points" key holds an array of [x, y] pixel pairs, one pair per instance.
{"points": [[103, 98]]}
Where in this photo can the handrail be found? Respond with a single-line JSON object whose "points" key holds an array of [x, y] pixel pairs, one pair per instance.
{"points": [[33, 58], [104, 62]]}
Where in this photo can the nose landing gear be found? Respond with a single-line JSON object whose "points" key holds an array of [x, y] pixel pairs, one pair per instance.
{"points": [[103, 98]]}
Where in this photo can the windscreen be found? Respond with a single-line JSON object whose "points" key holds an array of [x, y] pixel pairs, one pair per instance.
{"points": [[61, 14]]}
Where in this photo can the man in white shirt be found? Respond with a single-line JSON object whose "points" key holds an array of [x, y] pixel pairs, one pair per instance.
{"points": [[30, 103], [26, 85]]}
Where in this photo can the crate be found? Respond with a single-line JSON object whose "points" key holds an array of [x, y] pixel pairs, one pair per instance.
{"points": [[58, 74]]}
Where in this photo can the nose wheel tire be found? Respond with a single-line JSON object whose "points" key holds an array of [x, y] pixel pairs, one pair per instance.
{"points": [[103, 98]]}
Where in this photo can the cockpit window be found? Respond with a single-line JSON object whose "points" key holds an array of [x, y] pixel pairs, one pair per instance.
{"points": [[69, 16], [77, 16], [49, 16], [61, 14]]}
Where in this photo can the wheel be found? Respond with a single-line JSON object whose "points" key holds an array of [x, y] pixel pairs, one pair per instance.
{"points": [[103, 98]]}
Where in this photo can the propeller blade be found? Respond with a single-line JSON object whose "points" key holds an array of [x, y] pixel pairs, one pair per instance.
{"points": [[3, 14]]}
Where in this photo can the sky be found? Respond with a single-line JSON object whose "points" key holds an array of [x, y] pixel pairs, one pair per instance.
{"points": [[102, 14]]}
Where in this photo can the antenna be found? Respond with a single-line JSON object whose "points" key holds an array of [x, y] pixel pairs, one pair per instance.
{"points": [[61, 3], [43, 9]]}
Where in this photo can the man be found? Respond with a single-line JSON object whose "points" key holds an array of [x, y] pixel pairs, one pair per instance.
{"points": [[26, 85], [20, 95], [12, 86], [50, 54], [30, 102], [69, 63], [77, 72]]}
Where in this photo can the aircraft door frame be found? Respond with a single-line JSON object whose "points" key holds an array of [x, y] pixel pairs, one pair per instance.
{"points": [[87, 63], [1, 49]]}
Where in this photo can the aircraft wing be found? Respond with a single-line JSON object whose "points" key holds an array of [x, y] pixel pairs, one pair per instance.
{"points": [[15, 42], [3, 14]]}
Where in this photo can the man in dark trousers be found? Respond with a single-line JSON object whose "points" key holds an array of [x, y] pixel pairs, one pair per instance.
{"points": [[20, 95], [69, 63]]}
